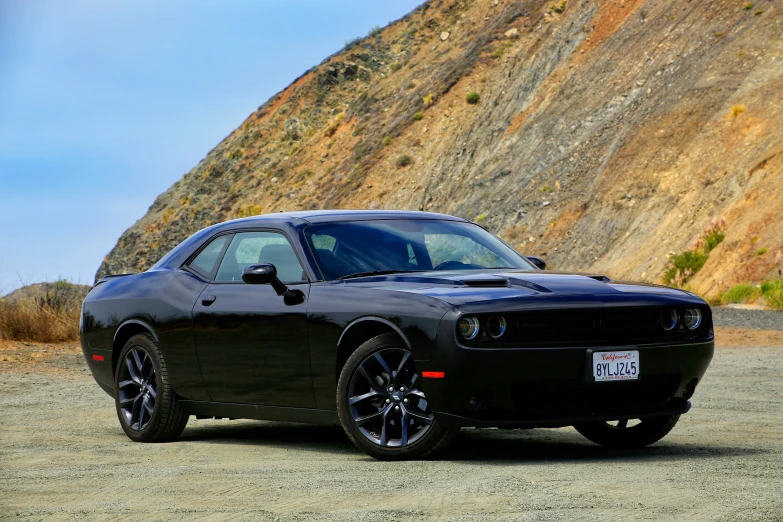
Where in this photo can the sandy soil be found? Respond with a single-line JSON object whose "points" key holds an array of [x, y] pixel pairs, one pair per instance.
{"points": [[64, 457]]}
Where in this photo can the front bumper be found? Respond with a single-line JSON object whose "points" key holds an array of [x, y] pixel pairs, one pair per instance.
{"points": [[550, 387]]}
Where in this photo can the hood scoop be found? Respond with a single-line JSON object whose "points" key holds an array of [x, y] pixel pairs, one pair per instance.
{"points": [[486, 283], [503, 282]]}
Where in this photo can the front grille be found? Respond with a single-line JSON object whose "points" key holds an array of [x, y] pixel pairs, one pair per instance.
{"points": [[588, 327], [562, 397]]}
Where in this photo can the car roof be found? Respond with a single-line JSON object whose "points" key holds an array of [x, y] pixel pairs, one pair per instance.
{"points": [[299, 219], [331, 216]]}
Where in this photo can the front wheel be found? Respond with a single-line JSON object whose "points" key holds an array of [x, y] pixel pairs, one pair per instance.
{"points": [[381, 406], [628, 433], [148, 409]]}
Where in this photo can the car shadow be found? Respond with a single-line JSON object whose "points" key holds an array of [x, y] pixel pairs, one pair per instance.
{"points": [[268, 433], [490, 446], [563, 445]]}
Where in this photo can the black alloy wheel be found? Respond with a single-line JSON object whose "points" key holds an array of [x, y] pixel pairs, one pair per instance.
{"points": [[147, 407], [386, 403], [381, 405], [137, 388], [628, 433]]}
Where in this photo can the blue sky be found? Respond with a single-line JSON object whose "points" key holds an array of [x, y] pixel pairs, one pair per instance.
{"points": [[103, 105]]}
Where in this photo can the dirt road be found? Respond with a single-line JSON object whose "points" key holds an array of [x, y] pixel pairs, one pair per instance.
{"points": [[64, 457]]}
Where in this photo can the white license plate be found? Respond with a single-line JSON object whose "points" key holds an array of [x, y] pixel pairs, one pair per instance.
{"points": [[616, 366]]}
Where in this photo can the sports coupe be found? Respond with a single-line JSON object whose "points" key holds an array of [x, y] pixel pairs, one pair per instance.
{"points": [[400, 326]]}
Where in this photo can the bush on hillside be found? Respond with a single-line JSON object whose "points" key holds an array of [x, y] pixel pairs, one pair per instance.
{"points": [[772, 292], [739, 294], [683, 266], [403, 160]]}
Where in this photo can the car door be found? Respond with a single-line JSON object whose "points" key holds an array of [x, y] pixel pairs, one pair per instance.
{"points": [[252, 347]]}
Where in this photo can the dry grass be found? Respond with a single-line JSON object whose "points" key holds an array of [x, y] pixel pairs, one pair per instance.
{"points": [[29, 321], [44, 312]]}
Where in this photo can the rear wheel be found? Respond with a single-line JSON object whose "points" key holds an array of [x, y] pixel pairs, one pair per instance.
{"points": [[147, 407], [381, 406], [628, 433]]}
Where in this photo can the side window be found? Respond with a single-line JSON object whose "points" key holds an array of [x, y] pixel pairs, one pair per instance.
{"points": [[207, 258], [250, 248]]}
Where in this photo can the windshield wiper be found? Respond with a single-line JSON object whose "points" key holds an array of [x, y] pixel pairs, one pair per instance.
{"points": [[378, 272]]}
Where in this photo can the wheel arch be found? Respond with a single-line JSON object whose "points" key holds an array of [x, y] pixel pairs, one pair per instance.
{"points": [[359, 332], [127, 330]]}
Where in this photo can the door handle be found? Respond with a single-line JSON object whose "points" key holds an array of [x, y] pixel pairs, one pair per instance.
{"points": [[208, 300]]}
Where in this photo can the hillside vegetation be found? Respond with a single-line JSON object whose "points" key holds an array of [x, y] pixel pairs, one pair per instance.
{"points": [[43, 312], [614, 137]]}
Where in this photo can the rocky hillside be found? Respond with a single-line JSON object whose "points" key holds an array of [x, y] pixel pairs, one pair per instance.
{"points": [[608, 136]]}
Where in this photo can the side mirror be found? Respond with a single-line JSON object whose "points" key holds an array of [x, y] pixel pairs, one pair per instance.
{"points": [[267, 274], [537, 261], [259, 274]]}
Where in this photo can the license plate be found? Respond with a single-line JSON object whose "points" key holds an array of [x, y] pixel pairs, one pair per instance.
{"points": [[616, 366]]}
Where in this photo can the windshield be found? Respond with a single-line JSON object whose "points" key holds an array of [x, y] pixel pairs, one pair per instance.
{"points": [[409, 245]]}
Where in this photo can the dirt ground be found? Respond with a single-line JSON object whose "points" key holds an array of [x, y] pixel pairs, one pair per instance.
{"points": [[64, 457]]}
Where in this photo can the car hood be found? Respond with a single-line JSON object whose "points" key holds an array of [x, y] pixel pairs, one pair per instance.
{"points": [[525, 286]]}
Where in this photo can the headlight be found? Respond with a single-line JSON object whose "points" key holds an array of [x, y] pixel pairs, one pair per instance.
{"points": [[496, 327], [668, 320], [692, 318], [468, 327]]}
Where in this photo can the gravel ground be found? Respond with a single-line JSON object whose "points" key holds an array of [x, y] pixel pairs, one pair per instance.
{"points": [[724, 316], [64, 457]]}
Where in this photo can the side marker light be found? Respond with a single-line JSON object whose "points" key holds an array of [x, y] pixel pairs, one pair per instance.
{"points": [[433, 375]]}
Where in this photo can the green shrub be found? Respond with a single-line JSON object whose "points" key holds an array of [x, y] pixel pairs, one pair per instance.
{"points": [[403, 160], [712, 239], [481, 217], [748, 6], [772, 291], [375, 31], [386, 140], [472, 97], [739, 294], [418, 116], [683, 266], [396, 66], [761, 251], [352, 43], [559, 7], [498, 52]]}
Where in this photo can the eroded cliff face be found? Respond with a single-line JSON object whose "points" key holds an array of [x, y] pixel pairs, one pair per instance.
{"points": [[606, 136]]}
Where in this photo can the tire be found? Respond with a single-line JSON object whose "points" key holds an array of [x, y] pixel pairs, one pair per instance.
{"points": [[147, 407], [387, 425], [648, 431]]}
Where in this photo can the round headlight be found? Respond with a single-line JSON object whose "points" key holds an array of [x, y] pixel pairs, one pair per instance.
{"points": [[496, 327], [468, 327], [668, 320], [692, 318]]}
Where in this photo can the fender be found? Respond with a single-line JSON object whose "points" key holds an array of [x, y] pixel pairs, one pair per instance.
{"points": [[375, 319], [138, 322]]}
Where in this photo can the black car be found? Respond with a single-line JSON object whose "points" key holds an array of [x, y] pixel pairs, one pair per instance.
{"points": [[400, 326]]}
